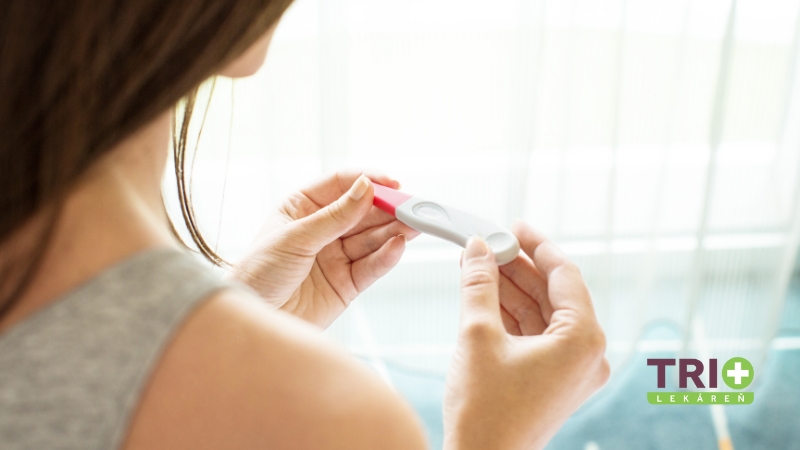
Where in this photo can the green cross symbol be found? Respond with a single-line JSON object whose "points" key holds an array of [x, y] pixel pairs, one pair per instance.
{"points": [[737, 373]]}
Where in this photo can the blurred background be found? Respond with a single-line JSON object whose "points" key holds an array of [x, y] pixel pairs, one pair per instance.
{"points": [[658, 142]]}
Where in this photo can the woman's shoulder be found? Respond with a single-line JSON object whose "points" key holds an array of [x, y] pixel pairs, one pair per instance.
{"points": [[238, 375]]}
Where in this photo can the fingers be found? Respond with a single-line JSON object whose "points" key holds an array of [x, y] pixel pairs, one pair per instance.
{"points": [[522, 273], [525, 310], [480, 305], [510, 323], [368, 269], [374, 218], [530, 240], [329, 223], [325, 193], [372, 239], [333, 186], [566, 289]]}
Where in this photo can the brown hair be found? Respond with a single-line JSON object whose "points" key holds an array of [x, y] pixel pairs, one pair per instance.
{"points": [[78, 76]]}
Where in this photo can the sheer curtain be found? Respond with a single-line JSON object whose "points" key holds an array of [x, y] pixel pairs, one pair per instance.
{"points": [[656, 141]]}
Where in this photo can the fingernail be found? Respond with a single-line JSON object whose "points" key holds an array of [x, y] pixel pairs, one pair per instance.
{"points": [[359, 188], [403, 236], [476, 248]]}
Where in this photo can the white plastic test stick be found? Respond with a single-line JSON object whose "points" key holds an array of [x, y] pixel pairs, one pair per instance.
{"points": [[446, 222]]}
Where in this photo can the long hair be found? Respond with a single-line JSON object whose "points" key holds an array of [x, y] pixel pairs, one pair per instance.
{"points": [[78, 76]]}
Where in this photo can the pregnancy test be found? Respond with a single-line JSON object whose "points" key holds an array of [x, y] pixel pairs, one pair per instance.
{"points": [[446, 222]]}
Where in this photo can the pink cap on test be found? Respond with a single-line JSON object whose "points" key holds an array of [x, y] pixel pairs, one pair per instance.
{"points": [[388, 199]]}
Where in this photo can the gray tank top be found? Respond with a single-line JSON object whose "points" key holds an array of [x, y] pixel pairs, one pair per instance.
{"points": [[71, 374]]}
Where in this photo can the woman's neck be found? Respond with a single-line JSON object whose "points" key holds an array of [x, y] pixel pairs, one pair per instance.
{"points": [[114, 211]]}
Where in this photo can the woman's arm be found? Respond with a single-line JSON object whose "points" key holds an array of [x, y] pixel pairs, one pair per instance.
{"points": [[238, 375]]}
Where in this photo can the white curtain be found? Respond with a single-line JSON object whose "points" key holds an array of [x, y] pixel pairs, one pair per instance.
{"points": [[656, 141]]}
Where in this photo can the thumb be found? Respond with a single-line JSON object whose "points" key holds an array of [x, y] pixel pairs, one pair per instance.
{"points": [[331, 222], [480, 302]]}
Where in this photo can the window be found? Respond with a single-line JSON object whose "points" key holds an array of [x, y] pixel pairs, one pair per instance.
{"points": [[656, 141]]}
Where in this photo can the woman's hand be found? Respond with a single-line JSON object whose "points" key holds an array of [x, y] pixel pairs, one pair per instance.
{"points": [[323, 246], [529, 352]]}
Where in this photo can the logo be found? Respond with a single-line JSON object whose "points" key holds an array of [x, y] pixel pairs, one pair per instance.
{"points": [[737, 373]]}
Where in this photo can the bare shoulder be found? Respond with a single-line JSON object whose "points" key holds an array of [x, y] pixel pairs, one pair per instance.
{"points": [[238, 375]]}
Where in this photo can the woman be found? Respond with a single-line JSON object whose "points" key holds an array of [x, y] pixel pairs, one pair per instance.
{"points": [[112, 336]]}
